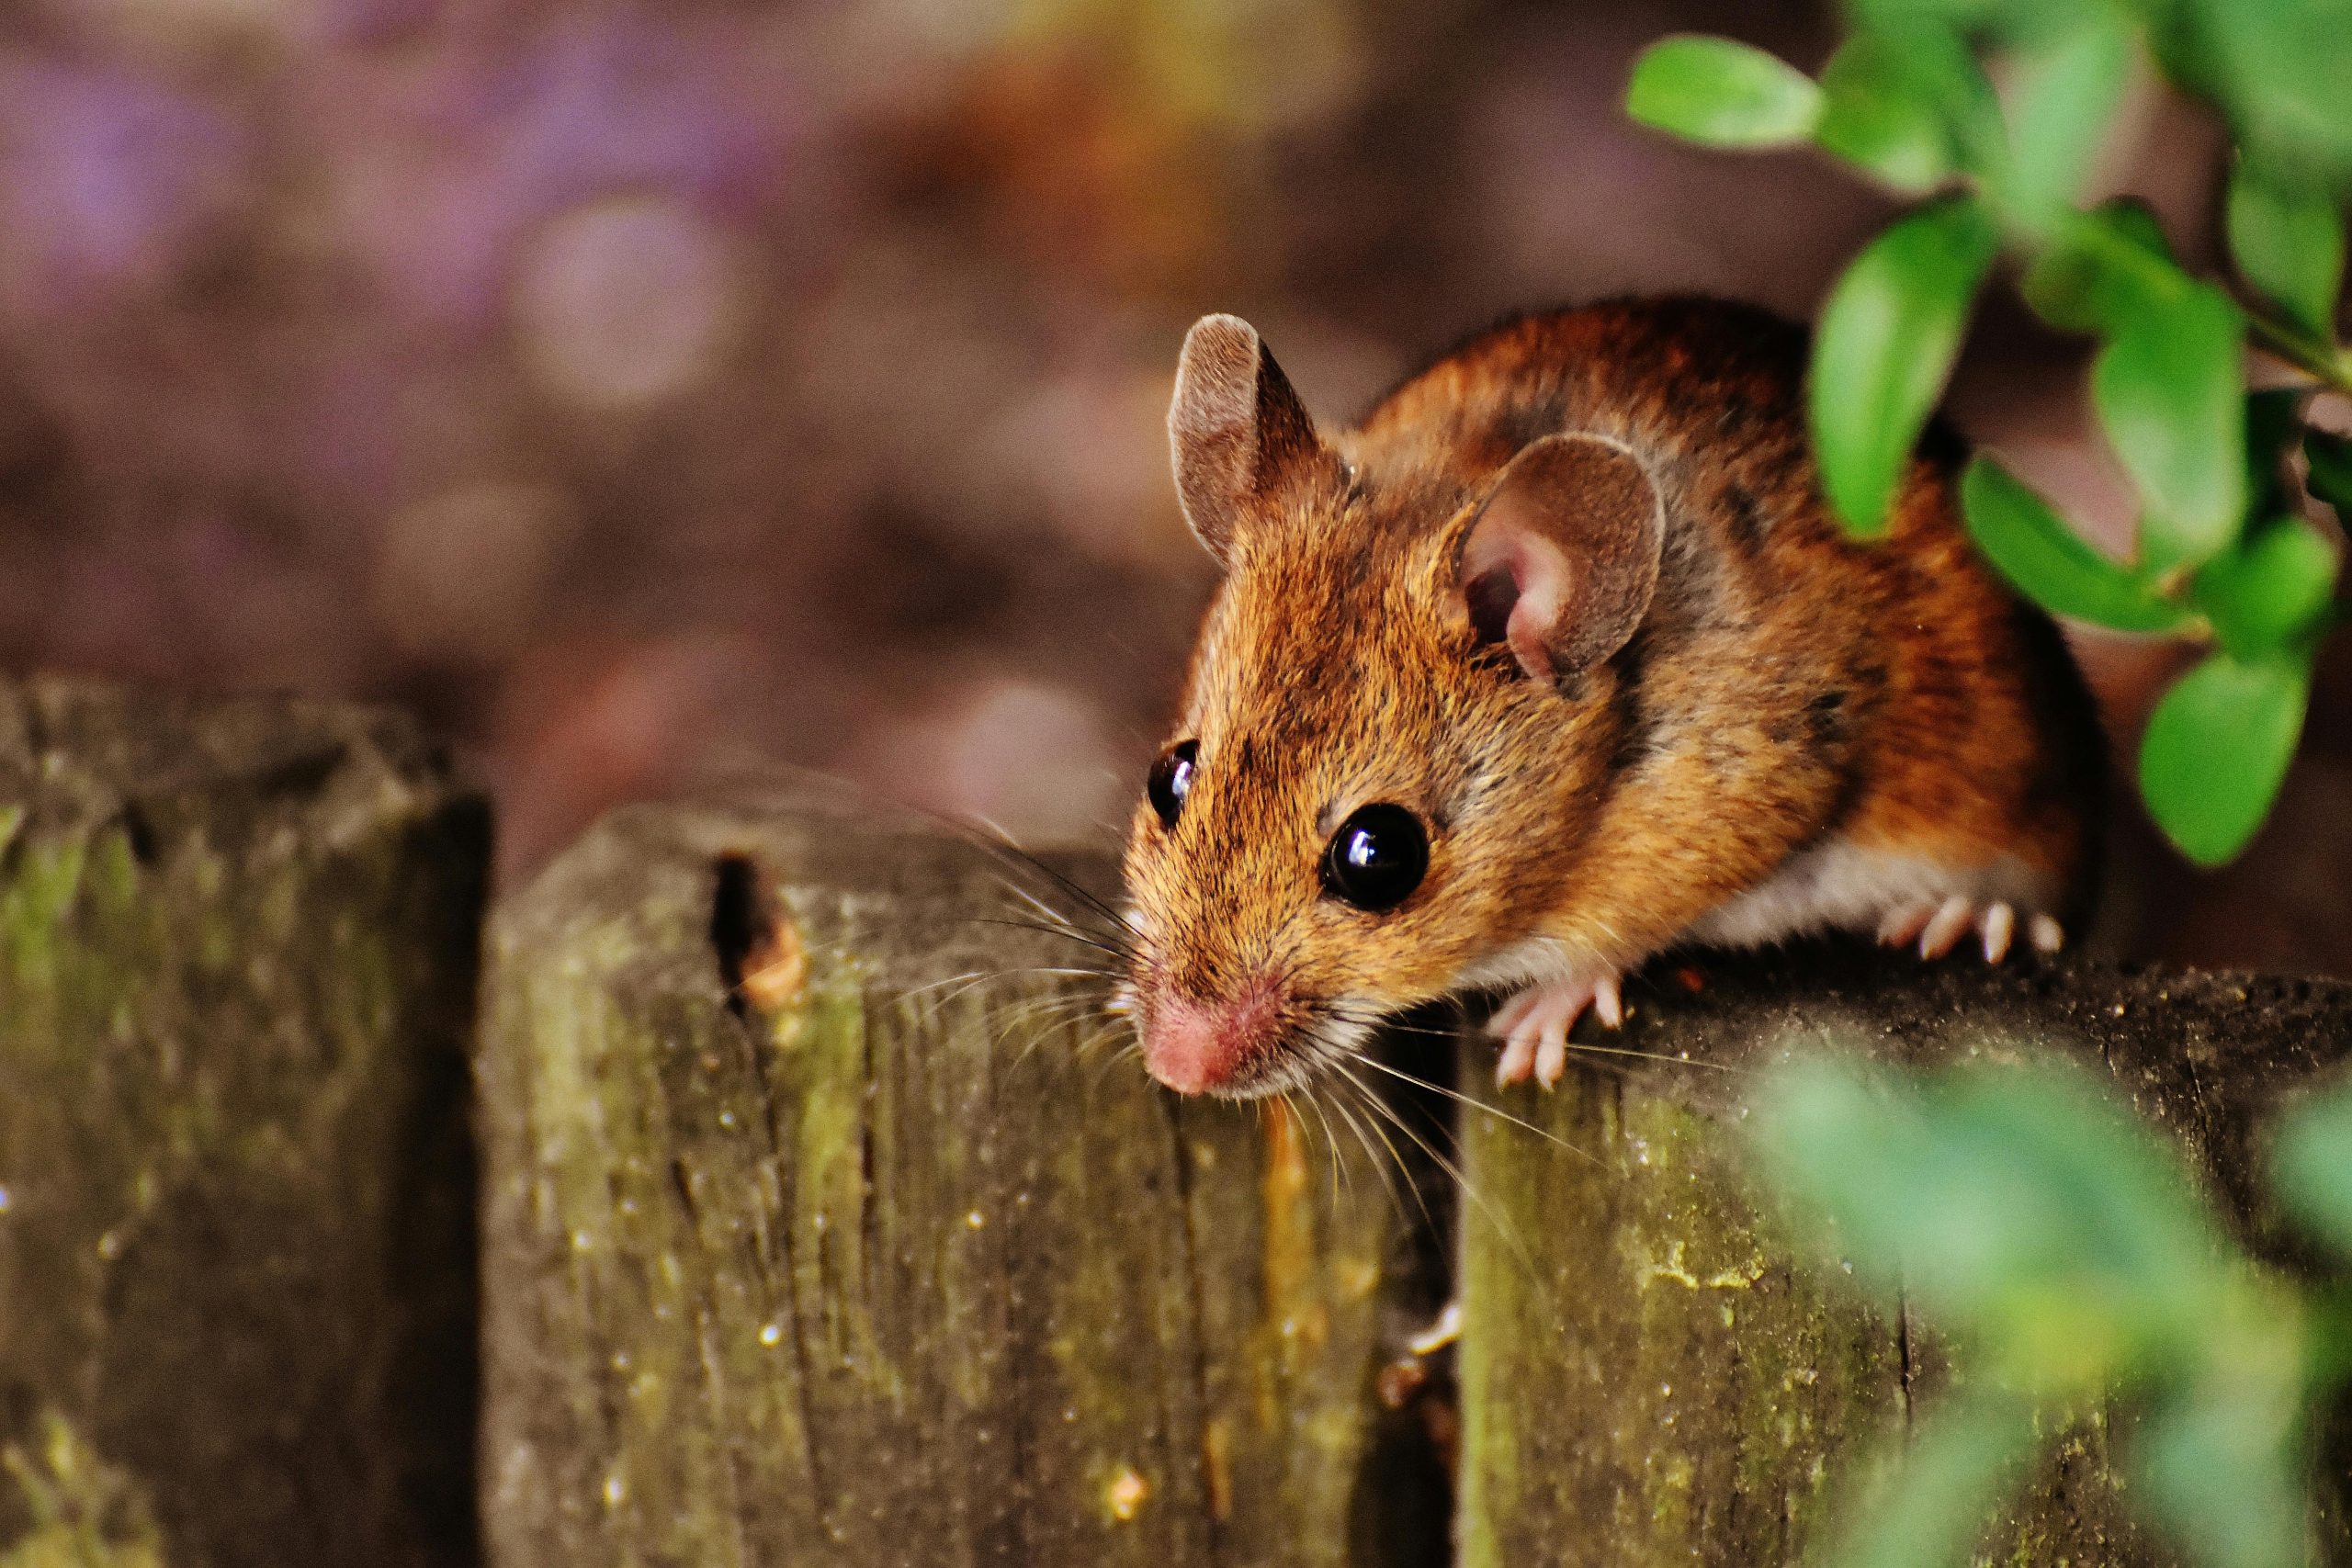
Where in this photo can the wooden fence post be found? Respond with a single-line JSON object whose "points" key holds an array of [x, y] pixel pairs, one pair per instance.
{"points": [[872, 1263], [239, 943], [1647, 1378]]}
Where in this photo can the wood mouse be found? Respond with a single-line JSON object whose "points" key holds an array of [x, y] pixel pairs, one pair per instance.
{"points": [[1555, 660]]}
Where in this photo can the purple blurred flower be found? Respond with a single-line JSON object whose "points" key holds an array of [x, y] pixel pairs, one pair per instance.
{"points": [[109, 182], [443, 162]]}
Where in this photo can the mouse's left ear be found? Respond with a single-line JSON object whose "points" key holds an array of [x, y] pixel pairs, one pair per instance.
{"points": [[1562, 560], [1237, 430]]}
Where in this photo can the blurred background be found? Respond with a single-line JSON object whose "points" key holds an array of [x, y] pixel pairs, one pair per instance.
{"points": [[634, 392]]}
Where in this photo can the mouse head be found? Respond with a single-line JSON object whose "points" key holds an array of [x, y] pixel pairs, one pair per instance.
{"points": [[1396, 726]]}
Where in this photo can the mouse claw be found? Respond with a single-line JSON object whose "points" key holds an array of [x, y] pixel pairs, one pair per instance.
{"points": [[2000, 924], [1534, 1026], [1609, 1003], [1943, 930], [1937, 928], [1904, 923]]}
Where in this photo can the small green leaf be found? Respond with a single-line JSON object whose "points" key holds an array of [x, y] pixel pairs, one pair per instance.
{"points": [[2022, 1208], [2066, 93], [1721, 92], [2271, 590], [2330, 457], [2288, 239], [2275, 68], [2311, 1165], [1887, 339], [1912, 107], [2169, 393], [2011, 21], [2048, 562], [1934, 1503], [2224, 1467], [2103, 268], [2217, 749]]}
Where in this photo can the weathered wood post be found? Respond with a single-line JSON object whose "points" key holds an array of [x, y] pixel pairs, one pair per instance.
{"points": [[817, 1235], [1647, 1377], [238, 954]]}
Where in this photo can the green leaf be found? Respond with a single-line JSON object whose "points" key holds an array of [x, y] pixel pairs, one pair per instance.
{"points": [[2168, 391], [2271, 590], [2217, 748], [2011, 21], [2288, 239], [1911, 107], [2048, 562], [2310, 1164], [2104, 267], [2223, 1468], [1721, 92], [2276, 69], [1887, 339], [2066, 93], [2022, 1208], [1933, 1506], [2330, 457]]}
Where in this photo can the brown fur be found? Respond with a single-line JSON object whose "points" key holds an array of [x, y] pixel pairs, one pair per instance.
{"points": [[1787, 683]]}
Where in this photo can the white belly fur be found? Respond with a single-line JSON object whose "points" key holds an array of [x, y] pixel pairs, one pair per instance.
{"points": [[1839, 886]]}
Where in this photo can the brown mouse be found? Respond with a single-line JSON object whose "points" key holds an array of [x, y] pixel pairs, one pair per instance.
{"points": [[1555, 661]]}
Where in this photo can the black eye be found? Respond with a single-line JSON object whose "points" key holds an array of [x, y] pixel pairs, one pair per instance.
{"points": [[1376, 858], [1171, 780]]}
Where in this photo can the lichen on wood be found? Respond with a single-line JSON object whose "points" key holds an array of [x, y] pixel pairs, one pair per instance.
{"points": [[1654, 1372], [817, 1233], [238, 949]]}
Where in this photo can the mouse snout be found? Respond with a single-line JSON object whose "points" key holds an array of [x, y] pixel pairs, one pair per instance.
{"points": [[1210, 1047]]}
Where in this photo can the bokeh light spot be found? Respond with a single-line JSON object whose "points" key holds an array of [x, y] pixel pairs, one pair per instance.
{"points": [[626, 301]]}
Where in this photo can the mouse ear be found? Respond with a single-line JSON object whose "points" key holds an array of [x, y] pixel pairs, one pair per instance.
{"points": [[1236, 429], [1562, 560]]}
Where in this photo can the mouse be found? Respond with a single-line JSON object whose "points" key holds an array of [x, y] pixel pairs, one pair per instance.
{"points": [[1558, 660]]}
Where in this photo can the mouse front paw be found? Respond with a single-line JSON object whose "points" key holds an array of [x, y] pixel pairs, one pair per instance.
{"points": [[1533, 1026], [1937, 928]]}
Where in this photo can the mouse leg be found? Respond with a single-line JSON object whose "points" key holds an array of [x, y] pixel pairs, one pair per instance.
{"points": [[1939, 927], [1533, 1026]]}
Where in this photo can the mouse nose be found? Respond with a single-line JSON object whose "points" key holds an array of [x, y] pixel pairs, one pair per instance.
{"points": [[1197, 1047]]}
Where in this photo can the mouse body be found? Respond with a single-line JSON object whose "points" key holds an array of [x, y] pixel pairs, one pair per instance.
{"points": [[1555, 660]]}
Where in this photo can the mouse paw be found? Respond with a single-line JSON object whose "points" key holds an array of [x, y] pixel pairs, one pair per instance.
{"points": [[1533, 1026], [1937, 928]]}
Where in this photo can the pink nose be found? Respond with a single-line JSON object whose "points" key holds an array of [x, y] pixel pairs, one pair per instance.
{"points": [[1198, 1047]]}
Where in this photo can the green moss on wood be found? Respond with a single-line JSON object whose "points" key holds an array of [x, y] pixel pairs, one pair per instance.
{"points": [[888, 1270], [1650, 1377], [81, 1511], [237, 952]]}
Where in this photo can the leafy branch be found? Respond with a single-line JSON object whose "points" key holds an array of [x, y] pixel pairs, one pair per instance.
{"points": [[2227, 555], [2061, 1246]]}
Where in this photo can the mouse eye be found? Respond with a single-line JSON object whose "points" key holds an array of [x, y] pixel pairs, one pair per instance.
{"points": [[1171, 780], [1376, 858]]}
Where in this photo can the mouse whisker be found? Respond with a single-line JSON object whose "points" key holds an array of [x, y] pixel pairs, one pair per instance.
{"points": [[1290, 1097], [1393, 1167], [1504, 1231], [1474, 1104], [1093, 901], [1391, 1026], [1116, 933], [1066, 933]]}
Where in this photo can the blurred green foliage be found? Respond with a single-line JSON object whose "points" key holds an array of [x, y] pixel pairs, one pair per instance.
{"points": [[2061, 1247], [2226, 556]]}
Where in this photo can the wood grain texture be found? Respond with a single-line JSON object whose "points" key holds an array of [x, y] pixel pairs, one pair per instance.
{"points": [[1648, 1376], [876, 1265], [239, 943]]}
